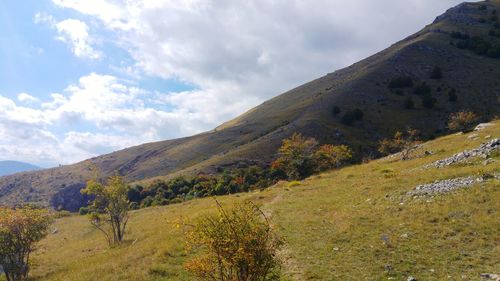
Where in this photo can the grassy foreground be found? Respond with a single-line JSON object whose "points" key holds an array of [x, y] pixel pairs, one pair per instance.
{"points": [[352, 224]]}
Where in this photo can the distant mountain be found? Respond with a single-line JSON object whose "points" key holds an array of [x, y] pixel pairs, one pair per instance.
{"points": [[12, 167], [450, 65]]}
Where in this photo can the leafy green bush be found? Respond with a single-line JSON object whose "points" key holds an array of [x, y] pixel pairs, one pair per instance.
{"points": [[408, 103], [401, 82], [452, 96], [436, 73], [422, 89], [336, 110], [350, 117]]}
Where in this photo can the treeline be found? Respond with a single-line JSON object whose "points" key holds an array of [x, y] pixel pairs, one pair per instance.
{"points": [[297, 158], [481, 45]]}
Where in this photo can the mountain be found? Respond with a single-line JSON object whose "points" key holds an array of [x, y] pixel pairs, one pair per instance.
{"points": [[450, 65], [356, 223], [12, 167]]}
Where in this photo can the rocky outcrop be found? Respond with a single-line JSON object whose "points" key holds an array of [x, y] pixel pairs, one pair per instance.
{"points": [[483, 151], [442, 186], [448, 185]]}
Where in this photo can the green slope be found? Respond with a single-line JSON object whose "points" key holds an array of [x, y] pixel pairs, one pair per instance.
{"points": [[255, 136], [347, 224]]}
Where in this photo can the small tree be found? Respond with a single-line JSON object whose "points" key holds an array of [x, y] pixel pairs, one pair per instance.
{"points": [[20, 229], [462, 121], [238, 245], [408, 103], [109, 209], [296, 156], [436, 73], [329, 156], [405, 143]]}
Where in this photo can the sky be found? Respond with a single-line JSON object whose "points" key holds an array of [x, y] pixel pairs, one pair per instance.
{"points": [[80, 78]]}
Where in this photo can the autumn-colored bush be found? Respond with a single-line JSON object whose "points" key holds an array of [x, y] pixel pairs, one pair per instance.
{"points": [[296, 156], [330, 156], [237, 244], [462, 121], [20, 229], [405, 143]]}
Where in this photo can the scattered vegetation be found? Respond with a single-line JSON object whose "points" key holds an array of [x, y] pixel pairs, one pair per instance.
{"points": [[477, 44], [400, 82], [351, 116], [436, 73], [237, 243], [452, 95], [405, 143], [408, 103], [20, 230], [336, 110], [463, 121], [108, 211]]}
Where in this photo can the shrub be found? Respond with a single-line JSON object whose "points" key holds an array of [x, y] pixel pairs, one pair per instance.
{"points": [[352, 116], [20, 229], [494, 51], [336, 110], [452, 96], [294, 183], [436, 73], [405, 143], [422, 89], [83, 211], [401, 82], [296, 156], [109, 210], [428, 101], [408, 103], [237, 243], [329, 156], [462, 121]]}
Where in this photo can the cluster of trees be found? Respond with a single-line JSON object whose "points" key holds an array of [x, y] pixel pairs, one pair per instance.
{"points": [[20, 230], [479, 45], [179, 189], [408, 141], [298, 158], [421, 90]]}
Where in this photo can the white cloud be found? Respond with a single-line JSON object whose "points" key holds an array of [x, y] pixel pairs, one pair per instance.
{"points": [[26, 98], [111, 114], [236, 53], [252, 50], [75, 33]]}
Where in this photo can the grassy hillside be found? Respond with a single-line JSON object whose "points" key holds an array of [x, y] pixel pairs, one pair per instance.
{"points": [[351, 224], [255, 135]]}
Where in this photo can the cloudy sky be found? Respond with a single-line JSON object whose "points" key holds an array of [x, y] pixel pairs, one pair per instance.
{"points": [[79, 78]]}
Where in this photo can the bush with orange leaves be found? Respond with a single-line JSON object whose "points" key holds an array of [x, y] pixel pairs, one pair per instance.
{"points": [[238, 244], [462, 121], [405, 143], [331, 156], [20, 229]]}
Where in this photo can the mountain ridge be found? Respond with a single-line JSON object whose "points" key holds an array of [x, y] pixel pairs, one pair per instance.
{"points": [[8, 167], [254, 136]]}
